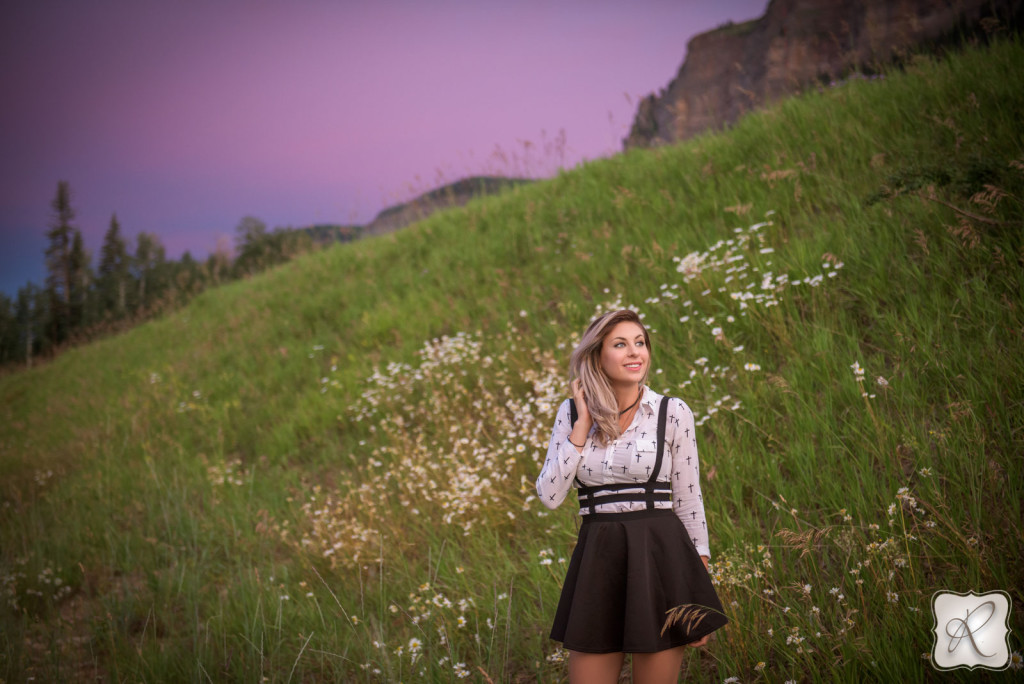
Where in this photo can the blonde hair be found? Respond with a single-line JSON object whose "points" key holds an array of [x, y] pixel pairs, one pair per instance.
{"points": [[585, 364]]}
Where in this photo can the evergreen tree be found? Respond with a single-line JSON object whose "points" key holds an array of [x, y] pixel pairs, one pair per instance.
{"points": [[188, 277], [218, 263], [251, 242], [81, 277], [58, 262], [8, 330], [113, 271], [30, 315], [149, 260]]}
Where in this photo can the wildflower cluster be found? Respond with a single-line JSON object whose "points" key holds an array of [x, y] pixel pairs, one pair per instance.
{"points": [[445, 630], [724, 284], [452, 434], [18, 586], [226, 473], [192, 403], [802, 608]]}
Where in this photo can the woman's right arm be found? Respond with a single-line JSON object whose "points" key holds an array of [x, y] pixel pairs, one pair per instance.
{"points": [[563, 458]]}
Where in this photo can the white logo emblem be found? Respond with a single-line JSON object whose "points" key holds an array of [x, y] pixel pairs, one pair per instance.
{"points": [[971, 630]]}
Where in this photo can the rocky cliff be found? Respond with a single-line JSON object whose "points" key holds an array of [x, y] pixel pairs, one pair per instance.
{"points": [[737, 67]]}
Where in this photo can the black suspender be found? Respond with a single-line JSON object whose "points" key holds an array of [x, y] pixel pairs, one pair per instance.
{"points": [[662, 420], [591, 497]]}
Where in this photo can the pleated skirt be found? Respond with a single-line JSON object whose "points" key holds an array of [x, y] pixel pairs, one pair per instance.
{"points": [[627, 572]]}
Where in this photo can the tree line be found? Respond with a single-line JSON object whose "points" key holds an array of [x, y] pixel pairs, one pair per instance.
{"points": [[130, 283]]}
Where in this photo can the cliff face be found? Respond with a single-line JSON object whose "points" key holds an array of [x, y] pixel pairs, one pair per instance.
{"points": [[737, 67]]}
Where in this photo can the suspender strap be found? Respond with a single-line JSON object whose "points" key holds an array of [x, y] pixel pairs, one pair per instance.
{"points": [[573, 415], [591, 497], [662, 420]]}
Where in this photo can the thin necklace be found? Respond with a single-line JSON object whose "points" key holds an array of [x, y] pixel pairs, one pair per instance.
{"points": [[624, 411]]}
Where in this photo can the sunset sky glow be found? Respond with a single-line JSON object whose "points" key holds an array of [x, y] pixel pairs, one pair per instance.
{"points": [[183, 117]]}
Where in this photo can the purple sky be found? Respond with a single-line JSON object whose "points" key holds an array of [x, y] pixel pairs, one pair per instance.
{"points": [[183, 117]]}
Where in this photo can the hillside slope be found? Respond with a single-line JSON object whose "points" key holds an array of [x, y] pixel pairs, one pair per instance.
{"points": [[326, 472]]}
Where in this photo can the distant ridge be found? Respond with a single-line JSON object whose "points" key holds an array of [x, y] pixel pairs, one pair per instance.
{"points": [[452, 195], [400, 215]]}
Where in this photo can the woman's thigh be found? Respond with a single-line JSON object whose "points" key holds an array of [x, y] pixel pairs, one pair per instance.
{"points": [[661, 667], [600, 668]]}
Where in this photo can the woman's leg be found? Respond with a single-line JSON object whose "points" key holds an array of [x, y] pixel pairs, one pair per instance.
{"points": [[661, 667], [599, 668]]}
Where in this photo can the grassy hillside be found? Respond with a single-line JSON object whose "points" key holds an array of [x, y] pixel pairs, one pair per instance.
{"points": [[263, 485]]}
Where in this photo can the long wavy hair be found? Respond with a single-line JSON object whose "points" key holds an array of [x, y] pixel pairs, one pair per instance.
{"points": [[585, 364]]}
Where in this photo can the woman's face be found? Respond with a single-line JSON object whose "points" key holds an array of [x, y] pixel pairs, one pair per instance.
{"points": [[624, 354]]}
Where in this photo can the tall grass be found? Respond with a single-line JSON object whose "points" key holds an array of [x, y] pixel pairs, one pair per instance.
{"points": [[326, 472]]}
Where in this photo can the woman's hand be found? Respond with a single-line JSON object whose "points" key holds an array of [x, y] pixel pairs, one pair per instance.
{"points": [[704, 639], [584, 422]]}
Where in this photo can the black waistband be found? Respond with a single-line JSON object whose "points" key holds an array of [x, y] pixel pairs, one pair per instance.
{"points": [[626, 515], [647, 492]]}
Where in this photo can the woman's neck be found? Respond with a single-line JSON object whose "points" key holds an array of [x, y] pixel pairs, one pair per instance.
{"points": [[626, 396]]}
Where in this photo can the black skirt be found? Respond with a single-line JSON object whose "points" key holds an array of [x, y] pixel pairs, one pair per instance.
{"points": [[627, 572]]}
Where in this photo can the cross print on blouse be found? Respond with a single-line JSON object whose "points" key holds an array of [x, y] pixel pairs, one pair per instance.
{"points": [[691, 488]]}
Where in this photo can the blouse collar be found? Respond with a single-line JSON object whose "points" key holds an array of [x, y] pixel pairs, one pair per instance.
{"points": [[650, 399]]}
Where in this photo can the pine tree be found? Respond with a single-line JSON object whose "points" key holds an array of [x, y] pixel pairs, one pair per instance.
{"points": [[58, 262], [81, 278], [29, 312], [149, 261], [113, 271], [8, 330]]}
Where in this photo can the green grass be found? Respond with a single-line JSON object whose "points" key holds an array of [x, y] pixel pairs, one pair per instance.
{"points": [[261, 485]]}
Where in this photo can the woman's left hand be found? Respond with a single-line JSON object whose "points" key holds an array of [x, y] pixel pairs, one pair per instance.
{"points": [[704, 639]]}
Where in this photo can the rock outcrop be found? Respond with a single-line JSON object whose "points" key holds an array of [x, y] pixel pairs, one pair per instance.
{"points": [[737, 67]]}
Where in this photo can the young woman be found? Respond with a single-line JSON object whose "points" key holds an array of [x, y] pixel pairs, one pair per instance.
{"points": [[643, 543]]}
